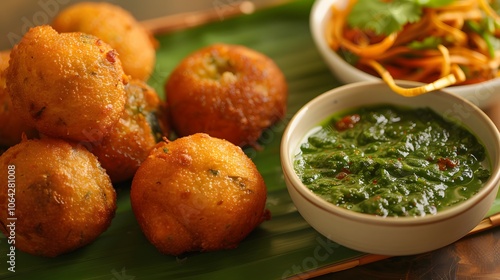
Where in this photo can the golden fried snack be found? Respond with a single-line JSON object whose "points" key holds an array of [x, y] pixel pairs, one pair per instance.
{"points": [[60, 196], [68, 85], [227, 91], [198, 193], [4, 63], [11, 125], [117, 27], [141, 125]]}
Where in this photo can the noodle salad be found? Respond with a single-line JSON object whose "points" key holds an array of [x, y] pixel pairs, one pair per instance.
{"points": [[438, 42]]}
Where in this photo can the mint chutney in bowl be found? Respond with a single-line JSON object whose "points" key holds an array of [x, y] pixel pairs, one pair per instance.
{"points": [[392, 161], [386, 174]]}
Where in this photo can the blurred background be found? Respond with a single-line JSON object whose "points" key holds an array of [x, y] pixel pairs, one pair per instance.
{"points": [[18, 16]]}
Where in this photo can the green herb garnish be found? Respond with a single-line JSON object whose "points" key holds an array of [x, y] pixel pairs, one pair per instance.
{"points": [[386, 17]]}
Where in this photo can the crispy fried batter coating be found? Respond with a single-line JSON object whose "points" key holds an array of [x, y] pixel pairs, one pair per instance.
{"points": [[227, 91], [117, 27], [142, 123], [66, 85], [4, 63], [63, 198], [198, 193], [11, 125]]}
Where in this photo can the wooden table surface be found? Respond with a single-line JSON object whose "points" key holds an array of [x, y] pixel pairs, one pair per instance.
{"points": [[473, 257]]}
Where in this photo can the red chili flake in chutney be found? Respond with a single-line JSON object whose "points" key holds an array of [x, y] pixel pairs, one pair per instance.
{"points": [[445, 163], [347, 122], [341, 175]]}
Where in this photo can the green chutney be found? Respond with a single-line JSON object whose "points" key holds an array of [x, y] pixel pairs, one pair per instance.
{"points": [[392, 161]]}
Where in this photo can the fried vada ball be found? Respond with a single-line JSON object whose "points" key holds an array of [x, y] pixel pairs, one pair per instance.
{"points": [[63, 198], [198, 193], [117, 27], [227, 91], [66, 85], [142, 123], [11, 125]]}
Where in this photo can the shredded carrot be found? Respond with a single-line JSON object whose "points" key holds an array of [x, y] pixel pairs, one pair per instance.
{"points": [[445, 67], [372, 50], [489, 11], [459, 36]]}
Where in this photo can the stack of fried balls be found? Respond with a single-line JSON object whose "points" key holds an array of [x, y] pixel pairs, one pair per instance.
{"points": [[78, 120]]}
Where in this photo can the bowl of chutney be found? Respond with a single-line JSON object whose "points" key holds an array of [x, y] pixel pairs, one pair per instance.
{"points": [[386, 174]]}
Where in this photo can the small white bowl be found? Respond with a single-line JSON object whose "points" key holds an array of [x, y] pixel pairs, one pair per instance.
{"points": [[389, 235], [482, 94]]}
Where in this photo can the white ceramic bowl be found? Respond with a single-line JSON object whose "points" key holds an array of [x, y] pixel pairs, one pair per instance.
{"points": [[389, 235], [482, 94]]}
